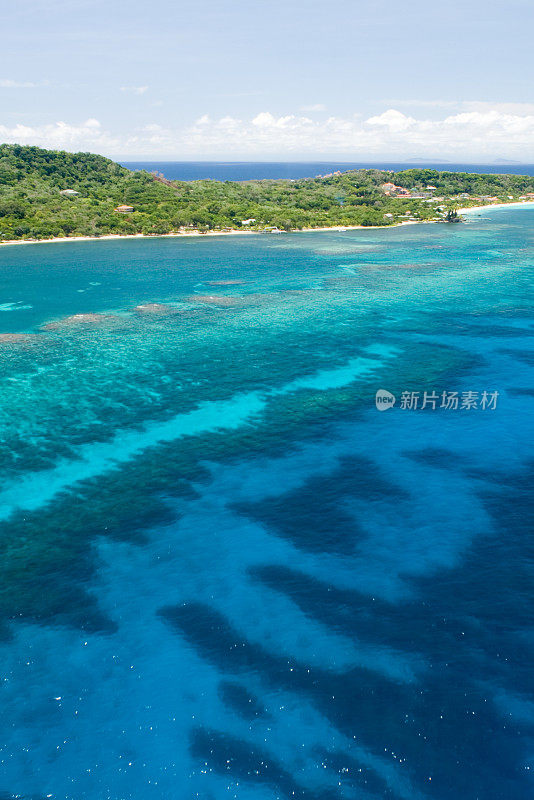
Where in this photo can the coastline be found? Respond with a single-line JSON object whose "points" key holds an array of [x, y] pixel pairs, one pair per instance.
{"points": [[489, 206], [239, 232], [195, 233], [113, 236]]}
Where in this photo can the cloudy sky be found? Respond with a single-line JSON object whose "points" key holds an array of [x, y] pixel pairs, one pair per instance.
{"points": [[283, 79]]}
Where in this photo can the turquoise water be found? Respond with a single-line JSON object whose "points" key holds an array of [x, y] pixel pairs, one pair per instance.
{"points": [[224, 572]]}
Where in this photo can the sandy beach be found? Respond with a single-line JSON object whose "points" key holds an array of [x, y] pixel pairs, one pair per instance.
{"points": [[495, 205], [239, 232], [112, 236], [180, 235]]}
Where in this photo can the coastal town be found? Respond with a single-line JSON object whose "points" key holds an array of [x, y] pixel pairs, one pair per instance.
{"points": [[428, 193]]}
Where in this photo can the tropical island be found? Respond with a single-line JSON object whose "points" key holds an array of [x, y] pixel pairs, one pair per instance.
{"points": [[46, 194]]}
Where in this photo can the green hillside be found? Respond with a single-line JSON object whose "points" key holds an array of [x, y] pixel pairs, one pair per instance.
{"points": [[32, 206]]}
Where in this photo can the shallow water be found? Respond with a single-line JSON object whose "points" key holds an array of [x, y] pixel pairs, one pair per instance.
{"points": [[224, 572]]}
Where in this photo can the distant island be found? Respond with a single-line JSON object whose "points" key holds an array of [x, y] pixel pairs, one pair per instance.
{"points": [[47, 194]]}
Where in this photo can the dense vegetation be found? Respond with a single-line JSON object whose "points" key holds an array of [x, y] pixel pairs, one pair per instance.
{"points": [[31, 206]]}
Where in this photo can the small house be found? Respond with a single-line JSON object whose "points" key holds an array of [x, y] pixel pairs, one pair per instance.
{"points": [[124, 209], [69, 193]]}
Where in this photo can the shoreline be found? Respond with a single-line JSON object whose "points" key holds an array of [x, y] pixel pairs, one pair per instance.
{"points": [[113, 236], [194, 233], [239, 232], [489, 206]]}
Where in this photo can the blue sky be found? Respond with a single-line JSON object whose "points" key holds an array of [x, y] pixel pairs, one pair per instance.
{"points": [[248, 80]]}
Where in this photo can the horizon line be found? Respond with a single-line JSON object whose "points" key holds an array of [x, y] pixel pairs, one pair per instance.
{"points": [[161, 160]]}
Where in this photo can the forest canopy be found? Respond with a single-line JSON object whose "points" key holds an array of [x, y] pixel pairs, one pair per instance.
{"points": [[33, 203]]}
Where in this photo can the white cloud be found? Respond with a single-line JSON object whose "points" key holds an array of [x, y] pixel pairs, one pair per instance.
{"points": [[505, 108], [87, 135], [314, 107], [393, 120], [467, 105], [134, 89], [7, 83], [482, 133], [266, 120]]}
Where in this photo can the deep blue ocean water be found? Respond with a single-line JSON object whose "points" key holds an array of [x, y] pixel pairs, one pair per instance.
{"points": [[224, 572], [257, 170]]}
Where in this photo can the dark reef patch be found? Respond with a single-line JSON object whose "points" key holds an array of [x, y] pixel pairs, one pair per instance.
{"points": [[454, 703], [313, 518], [524, 356], [349, 771], [16, 796], [438, 457], [239, 760], [240, 700], [439, 731]]}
